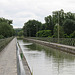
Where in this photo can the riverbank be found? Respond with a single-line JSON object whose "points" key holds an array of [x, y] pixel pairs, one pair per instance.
{"points": [[65, 48]]}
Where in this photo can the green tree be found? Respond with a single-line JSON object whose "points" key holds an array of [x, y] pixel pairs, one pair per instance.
{"points": [[1, 36], [43, 26], [6, 29], [72, 35], [69, 15], [20, 33], [69, 26], [43, 33], [31, 27], [65, 20], [6, 20], [58, 16], [61, 32], [17, 30], [49, 23]]}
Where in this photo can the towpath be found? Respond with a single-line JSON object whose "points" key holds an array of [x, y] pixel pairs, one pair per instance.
{"points": [[66, 48], [8, 59]]}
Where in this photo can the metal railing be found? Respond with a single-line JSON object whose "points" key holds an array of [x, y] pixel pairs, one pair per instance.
{"points": [[23, 67], [20, 68]]}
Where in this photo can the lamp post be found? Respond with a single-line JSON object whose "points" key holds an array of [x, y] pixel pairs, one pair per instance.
{"points": [[58, 26]]}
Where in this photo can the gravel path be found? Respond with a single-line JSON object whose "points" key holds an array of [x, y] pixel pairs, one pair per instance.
{"points": [[8, 59]]}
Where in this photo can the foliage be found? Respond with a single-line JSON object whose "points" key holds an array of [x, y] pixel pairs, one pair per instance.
{"points": [[1, 36], [5, 20], [60, 17], [70, 15], [43, 33], [6, 30], [31, 27], [69, 26], [66, 36], [17, 30], [49, 23], [20, 33], [66, 22], [72, 35], [61, 32], [43, 26]]}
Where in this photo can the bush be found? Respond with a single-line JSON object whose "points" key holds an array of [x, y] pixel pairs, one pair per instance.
{"points": [[66, 36], [1, 36], [43, 33], [72, 35], [61, 32]]}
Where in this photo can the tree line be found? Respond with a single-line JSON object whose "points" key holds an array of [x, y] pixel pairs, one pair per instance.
{"points": [[66, 23], [6, 29]]}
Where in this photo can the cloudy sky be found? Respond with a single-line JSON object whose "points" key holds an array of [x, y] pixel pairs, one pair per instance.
{"points": [[20, 11]]}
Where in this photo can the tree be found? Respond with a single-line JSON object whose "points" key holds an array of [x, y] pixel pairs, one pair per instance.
{"points": [[17, 30], [5, 20], [6, 29], [69, 15], [72, 35], [61, 32], [69, 26], [31, 27], [1, 36], [66, 23], [20, 33], [43, 33], [43, 26], [58, 16], [49, 23]]}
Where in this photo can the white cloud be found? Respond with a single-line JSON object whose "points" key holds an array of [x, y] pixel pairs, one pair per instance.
{"points": [[21, 11]]}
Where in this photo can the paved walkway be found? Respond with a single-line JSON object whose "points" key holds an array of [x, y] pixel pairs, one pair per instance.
{"points": [[8, 59]]}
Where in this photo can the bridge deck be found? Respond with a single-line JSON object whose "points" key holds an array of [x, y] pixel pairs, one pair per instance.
{"points": [[8, 59]]}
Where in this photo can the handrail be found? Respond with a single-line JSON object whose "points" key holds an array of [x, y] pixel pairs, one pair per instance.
{"points": [[24, 62], [19, 62]]}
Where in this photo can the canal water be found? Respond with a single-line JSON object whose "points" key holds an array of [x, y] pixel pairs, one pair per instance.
{"points": [[47, 61]]}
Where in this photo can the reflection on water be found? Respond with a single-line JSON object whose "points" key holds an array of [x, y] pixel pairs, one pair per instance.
{"points": [[47, 61]]}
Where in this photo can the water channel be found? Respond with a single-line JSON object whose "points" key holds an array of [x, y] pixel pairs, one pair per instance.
{"points": [[47, 61]]}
